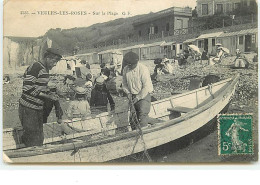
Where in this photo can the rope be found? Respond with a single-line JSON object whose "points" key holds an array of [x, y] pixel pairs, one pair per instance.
{"points": [[134, 118]]}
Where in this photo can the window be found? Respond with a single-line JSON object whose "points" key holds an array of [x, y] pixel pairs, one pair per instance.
{"points": [[140, 33], [240, 40], [228, 7], [204, 9], [151, 29], [167, 27], [173, 47], [156, 29], [148, 31], [180, 46], [219, 8], [213, 42], [253, 38], [179, 24], [236, 6]]}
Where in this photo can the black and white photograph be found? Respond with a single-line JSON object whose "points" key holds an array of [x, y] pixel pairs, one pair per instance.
{"points": [[130, 82]]}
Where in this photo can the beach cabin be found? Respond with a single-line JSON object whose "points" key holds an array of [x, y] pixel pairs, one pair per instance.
{"points": [[169, 49], [244, 40], [152, 51], [110, 56], [136, 49], [188, 42], [91, 58], [208, 42]]}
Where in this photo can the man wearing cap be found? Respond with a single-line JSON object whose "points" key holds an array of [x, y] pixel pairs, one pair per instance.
{"points": [[34, 93], [137, 85]]}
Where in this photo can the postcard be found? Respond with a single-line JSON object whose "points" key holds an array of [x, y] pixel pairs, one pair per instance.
{"points": [[130, 81]]}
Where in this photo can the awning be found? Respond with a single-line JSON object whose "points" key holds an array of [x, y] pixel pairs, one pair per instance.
{"points": [[168, 43], [111, 51], [133, 47], [189, 40], [85, 54], [153, 44], [241, 32], [209, 35]]}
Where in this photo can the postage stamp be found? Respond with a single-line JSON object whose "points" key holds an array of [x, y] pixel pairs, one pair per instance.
{"points": [[235, 134]]}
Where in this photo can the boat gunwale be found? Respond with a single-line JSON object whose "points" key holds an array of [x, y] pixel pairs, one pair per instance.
{"points": [[107, 114], [40, 150]]}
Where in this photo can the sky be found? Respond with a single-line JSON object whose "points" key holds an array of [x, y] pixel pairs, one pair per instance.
{"points": [[33, 18]]}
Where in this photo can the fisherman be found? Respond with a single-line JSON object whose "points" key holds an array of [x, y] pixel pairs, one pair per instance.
{"points": [[49, 104], [100, 96], [79, 108], [137, 85], [34, 90]]}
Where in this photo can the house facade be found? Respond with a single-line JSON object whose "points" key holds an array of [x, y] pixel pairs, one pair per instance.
{"points": [[212, 7], [163, 22]]}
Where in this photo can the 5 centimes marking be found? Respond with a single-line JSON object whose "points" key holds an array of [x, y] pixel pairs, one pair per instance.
{"points": [[235, 134]]}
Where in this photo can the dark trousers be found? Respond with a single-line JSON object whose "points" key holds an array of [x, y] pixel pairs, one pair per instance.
{"points": [[142, 108], [32, 122]]}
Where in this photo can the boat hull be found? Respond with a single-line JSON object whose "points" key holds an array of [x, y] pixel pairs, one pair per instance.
{"points": [[127, 146]]}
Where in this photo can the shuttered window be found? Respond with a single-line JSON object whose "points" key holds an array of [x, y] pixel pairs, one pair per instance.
{"points": [[204, 9]]}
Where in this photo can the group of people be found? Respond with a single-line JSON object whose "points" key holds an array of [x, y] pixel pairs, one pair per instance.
{"points": [[39, 95]]}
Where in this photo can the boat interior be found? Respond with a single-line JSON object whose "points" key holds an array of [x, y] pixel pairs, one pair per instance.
{"points": [[109, 125]]}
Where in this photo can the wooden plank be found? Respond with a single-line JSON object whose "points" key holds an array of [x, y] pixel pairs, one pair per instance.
{"points": [[180, 109]]}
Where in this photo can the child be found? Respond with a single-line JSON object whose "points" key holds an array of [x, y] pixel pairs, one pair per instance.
{"points": [[100, 96], [88, 85], [79, 108]]}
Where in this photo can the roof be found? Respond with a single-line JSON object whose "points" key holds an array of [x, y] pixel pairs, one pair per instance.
{"points": [[241, 32], [182, 11], [209, 35], [189, 40], [85, 54], [132, 47], [153, 44], [112, 51], [168, 43]]}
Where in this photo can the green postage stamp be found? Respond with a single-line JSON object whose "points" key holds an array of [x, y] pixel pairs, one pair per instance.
{"points": [[235, 134]]}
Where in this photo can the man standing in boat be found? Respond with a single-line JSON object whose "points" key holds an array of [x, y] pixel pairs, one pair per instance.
{"points": [[34, 93], [137, 85]]}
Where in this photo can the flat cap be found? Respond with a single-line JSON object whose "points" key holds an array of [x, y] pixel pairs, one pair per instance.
{"points": [[131, 58], [54, 51]]}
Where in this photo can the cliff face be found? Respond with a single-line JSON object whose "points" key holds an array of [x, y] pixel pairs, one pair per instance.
{"points": [[18, 52]]}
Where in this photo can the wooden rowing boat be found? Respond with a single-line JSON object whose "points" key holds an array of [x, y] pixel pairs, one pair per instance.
{"points": [[172, 118]]}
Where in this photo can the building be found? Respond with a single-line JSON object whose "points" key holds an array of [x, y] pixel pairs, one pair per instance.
{"points": [[212, 7], [110, 56], [244, 40], [136, 49], [152, 51], [163, 22], [207, 42], [91, 58]]}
